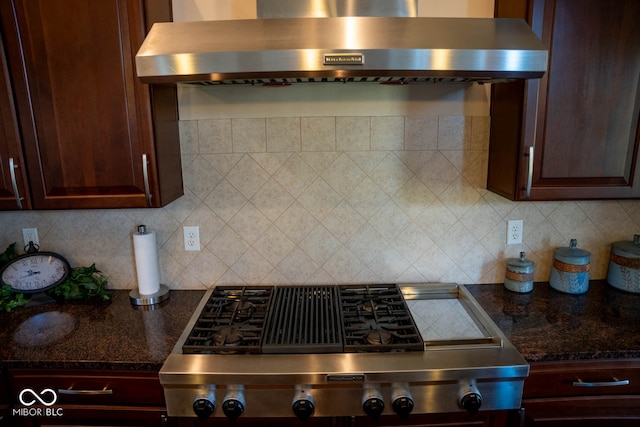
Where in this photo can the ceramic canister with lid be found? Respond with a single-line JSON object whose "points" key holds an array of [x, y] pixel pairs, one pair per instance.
{"points": [[624, 265], [519, 274], [570, 270]]}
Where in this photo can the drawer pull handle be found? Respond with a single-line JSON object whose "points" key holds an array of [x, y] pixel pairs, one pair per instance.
{"points": [[614, 383], [85, 392]]}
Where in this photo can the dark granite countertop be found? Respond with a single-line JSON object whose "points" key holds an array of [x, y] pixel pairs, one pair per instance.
{"points": [[116, 335], [548, 325], [544, 325]]}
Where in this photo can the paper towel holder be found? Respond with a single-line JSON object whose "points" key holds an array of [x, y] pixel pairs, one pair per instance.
{"points": [[137, 298]]}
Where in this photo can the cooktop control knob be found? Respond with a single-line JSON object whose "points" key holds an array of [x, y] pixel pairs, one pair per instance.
{"points": [[372, 402], [303, 405], [402, 401], [469, 397], [204, 405], [233, 403]]}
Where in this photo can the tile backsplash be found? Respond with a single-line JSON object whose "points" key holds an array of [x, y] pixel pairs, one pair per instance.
{"points": [[333, 200]]}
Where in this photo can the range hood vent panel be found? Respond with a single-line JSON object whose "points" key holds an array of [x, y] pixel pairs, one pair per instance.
{"points": [[341, 49]]}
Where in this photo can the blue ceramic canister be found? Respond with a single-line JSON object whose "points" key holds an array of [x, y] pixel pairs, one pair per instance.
{"points": [[570, 270], [519, 274], [624, 266]]}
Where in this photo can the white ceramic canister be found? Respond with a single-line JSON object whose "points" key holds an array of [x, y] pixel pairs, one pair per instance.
{"points": [[570, 271], [519, 274], [624, 265]]}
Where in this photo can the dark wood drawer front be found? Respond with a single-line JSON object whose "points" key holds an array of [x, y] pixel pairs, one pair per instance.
{"points": [[87, 387], [583, 379]]}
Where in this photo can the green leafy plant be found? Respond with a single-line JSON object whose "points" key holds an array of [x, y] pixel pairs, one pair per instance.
{"points": [[84, 283], [9, 299]]}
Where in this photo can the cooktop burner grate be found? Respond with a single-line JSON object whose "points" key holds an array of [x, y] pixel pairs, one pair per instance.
{"points": [[377, 318], [304, 319], [232, 321]]}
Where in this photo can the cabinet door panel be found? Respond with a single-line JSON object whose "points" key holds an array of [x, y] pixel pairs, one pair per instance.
{"points": [[582, 117], [10, 147], [590, 109], [78, 100]]}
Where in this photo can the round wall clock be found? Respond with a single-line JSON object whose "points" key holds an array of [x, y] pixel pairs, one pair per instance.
{"points": [[35, 272]]}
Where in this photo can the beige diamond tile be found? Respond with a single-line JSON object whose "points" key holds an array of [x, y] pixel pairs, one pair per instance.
{"points": [[182, 207], [567, 217], [274, 245], [366, 243], [415, 160], [249, 223], [367, 198], [296, 222], [414, 197], [480, 219], [320, 244], [297, 267], [295, 175], [412, 242], [228, 246], [343, 266], [224, 162], [390, 220], [343, 175], [272, 200], [225, 200], [367, 160], [436, 221], [343, 221], [200, 177], [270, 162], [450, 243], [319, 160], [389, 265], [252, 267], [434, 264], [437, 173], [247, 176], [459, 197], [319, 198], [391, 174], [207, 267]]}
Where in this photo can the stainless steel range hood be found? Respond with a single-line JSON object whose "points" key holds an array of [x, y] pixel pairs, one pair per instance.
{"points": [[390, 49]]}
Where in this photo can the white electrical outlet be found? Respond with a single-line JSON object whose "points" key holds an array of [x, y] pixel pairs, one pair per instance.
{"points": [[30, 235], [514, 231], [191, 238]]}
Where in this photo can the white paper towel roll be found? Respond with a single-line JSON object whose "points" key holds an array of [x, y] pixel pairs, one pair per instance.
{"points": [[144, 247]]}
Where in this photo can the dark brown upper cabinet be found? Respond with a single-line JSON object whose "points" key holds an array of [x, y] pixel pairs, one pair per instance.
{"points": [[573, 134], [90, 135]]}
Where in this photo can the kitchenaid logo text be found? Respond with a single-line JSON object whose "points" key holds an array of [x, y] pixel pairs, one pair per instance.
{"points": [[33, 403], [343, 59]]}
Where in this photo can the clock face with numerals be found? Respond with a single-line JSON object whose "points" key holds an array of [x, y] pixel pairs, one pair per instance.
{"points": [[35, 272]]}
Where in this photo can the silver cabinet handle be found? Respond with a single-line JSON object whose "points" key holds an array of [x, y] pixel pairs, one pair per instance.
{"points": [[530, 172], [85, 392], [614, 383], [12, 171], [145, 174]]}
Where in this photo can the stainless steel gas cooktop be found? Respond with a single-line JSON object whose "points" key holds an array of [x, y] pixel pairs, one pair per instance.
{"points": [[280, 351]]}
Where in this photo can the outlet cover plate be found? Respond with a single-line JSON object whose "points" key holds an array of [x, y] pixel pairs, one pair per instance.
{"points": [[191, 238], [514, 231]]}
